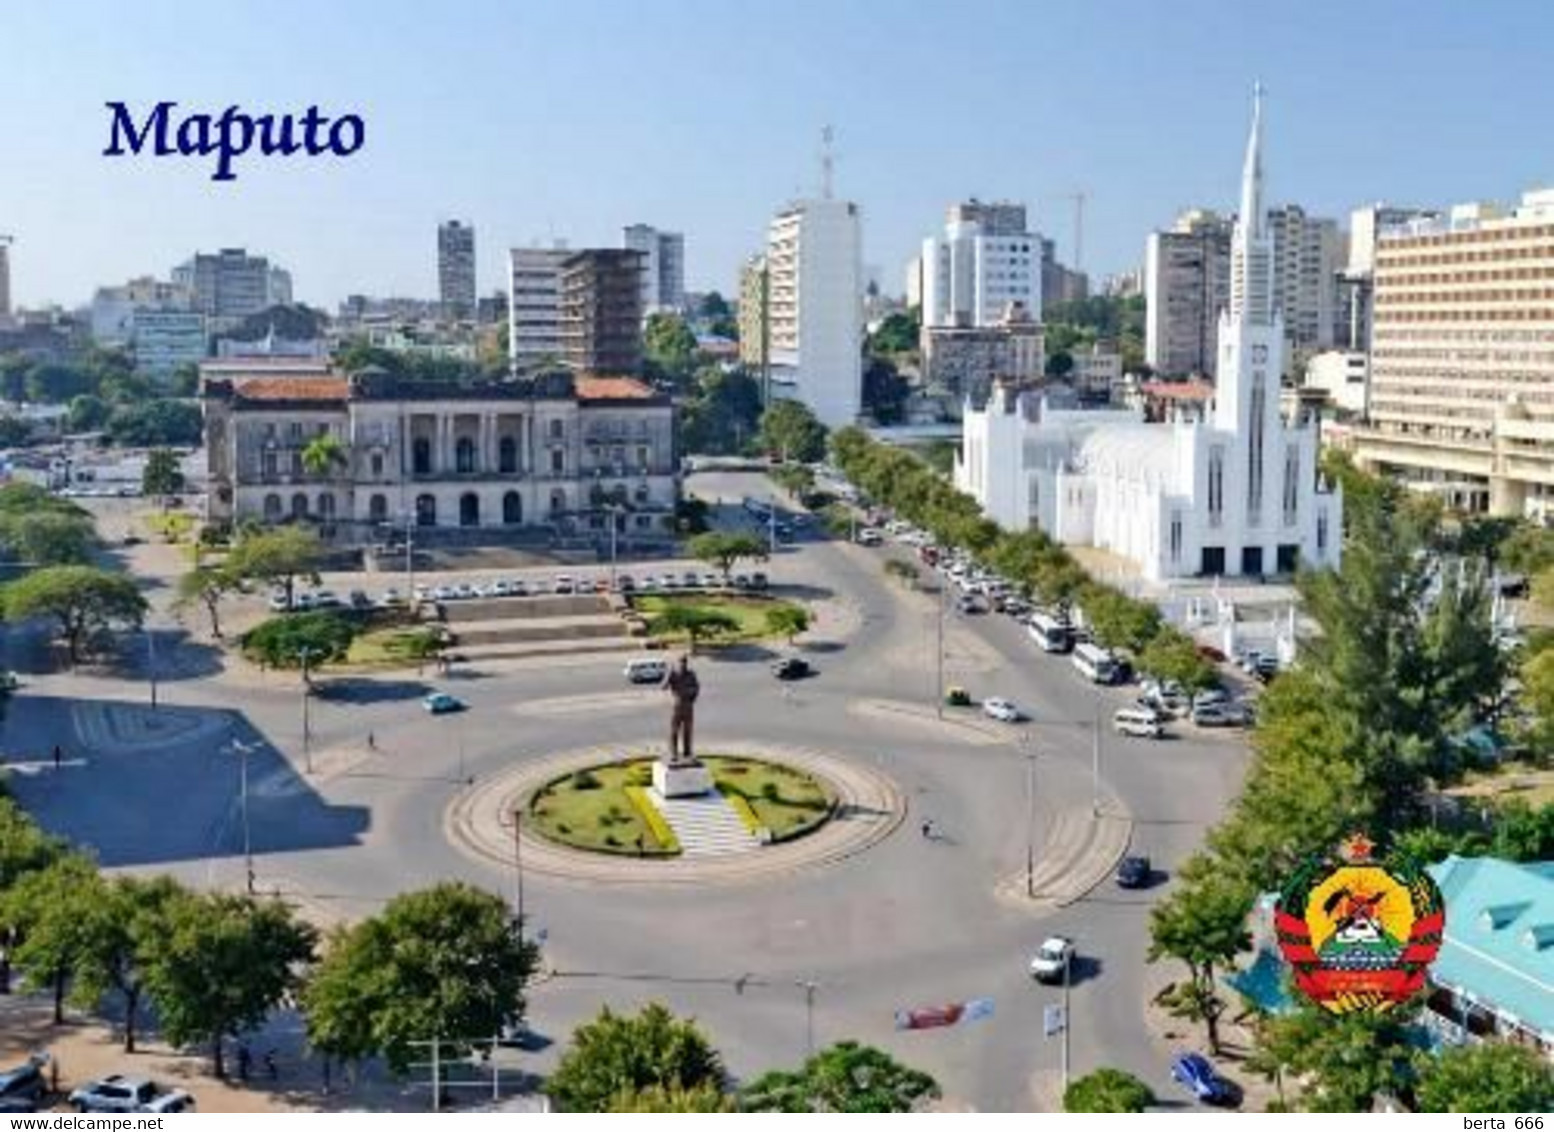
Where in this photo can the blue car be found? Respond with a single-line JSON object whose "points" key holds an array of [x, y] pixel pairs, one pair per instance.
{"points": [[1194, 1072], [441, 703]]}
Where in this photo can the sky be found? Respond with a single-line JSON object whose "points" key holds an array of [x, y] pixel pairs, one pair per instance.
{"points": [[567, 119]]}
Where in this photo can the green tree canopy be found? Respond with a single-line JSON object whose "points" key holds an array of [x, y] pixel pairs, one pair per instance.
{"points": [[325, 635], [84, 600], [49, 909], [1202, 924], [162, 475], [207, 585], [790, 430], [448, 961], [47, 537], [1345, 1062], [1486, 1077], [123, 923], [277, 557], [1173, 656], [221, 964], [696, 622], [145, 423], [619, 1054], [656, 1098], [669, 346], [722, 413], [845, 1077], [885, 391], [1107, 1090], [724, 550], [897, 333], [787, 621]]}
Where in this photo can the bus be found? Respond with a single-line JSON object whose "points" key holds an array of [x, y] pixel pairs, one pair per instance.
{"points": [[1098, 665], [1050, 634]]}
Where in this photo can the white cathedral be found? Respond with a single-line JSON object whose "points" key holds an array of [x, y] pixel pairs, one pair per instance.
{"points": [[1236, 493]]}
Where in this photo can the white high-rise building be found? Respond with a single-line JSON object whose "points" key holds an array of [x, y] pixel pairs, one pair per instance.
{"points": [[986, 260], [663, 266], [1237, 492], [1308, 253], [815, 307], [534, 305]]}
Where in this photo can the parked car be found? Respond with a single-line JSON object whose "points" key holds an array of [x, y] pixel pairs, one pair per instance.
{"points": [[1134, 872], [518, 588], [791, 668], [22, 1087], [758, 581], [564, 584], [1053, 959], [1196, 1074], [359, 599], [647, 670], [500, 588], [117, 1093], [868, 536], [1141, 722], [995, 707], [441, 703], [1266, 668], [966, 603], [325, 599], [464, 591], [1217, 715], [1210, 697], [390, 597], [956, 696], [690, 580], [444, 593], [278, 602], [625, 583]]}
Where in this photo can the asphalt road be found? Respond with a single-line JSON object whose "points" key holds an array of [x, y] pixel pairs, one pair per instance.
{"points": [[911, 922]]}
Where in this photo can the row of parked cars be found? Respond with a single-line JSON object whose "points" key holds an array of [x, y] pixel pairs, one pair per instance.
{"points": [[561, 584], [25, 1087]]}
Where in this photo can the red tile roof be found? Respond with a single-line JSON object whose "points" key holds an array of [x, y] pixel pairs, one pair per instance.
{"points": [[612, 389], [293, 389], [1179, 390]]}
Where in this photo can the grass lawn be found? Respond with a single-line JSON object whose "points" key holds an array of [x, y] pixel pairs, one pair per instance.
{"points": [[600, 816], [1512, 780], [786, 801], [170, 526], [749, 610], [591, 810], [395, 645]]}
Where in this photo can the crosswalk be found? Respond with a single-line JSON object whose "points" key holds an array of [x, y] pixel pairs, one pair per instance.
{"points": [[705, 826]]}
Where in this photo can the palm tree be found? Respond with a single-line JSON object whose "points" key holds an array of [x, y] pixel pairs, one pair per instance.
{"points": [[323, 454]]}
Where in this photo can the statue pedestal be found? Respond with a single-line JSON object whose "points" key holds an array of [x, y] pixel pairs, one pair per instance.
{"points": [[685, 780]]}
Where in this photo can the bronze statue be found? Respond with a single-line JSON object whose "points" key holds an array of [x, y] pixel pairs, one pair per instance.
{"points": [[683, 685]]}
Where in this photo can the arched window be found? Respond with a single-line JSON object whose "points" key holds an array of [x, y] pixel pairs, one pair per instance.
{"points": [[464, 455], [326, 505], [426, 510], [469, 509], [507, 455], [377, 509], [299, 506], [421, 456], [512, 508], [272, 506]]}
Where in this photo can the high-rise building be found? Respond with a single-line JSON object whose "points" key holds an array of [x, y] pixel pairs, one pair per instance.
{"points": [[814, 307], [534, 306], [231, 285], [1460, 356], [113, 308], [456, 270], [1352, 321], [5, 276], [1186, 285], [1307, 255], [663, 266], [165, 339], [986, 259], [1060, 284], [601, 311], [754, 343]]}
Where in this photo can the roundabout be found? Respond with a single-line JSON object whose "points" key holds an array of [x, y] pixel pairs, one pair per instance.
{"points": [[865, 806]]}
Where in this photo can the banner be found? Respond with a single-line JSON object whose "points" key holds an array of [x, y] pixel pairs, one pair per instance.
{"points": [[952, 1014]]}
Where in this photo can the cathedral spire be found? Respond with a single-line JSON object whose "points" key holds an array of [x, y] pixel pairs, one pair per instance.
{"points": [[1251, 253], [1252, 170]]}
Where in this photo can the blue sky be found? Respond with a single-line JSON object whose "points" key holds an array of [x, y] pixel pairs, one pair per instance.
{"points": [[570, 119]]}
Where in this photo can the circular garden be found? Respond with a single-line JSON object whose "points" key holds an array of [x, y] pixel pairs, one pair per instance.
{"points": [[607, 808]]}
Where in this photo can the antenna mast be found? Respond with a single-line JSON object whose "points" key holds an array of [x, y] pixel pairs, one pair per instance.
{"points": [[827, 161]]}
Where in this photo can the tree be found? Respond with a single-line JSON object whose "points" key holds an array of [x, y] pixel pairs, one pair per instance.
{"points": [[277, 557], [723, 412], [145, 423], [787, 620], [52, 384], [656, 1098], [14, 432], [885, 391], [122, 925], [845, 1077], [86, 413], [619, 1053], [714, 305], [24, 848], [1107, 1090], [669, 346], [694, 621], [324, 454], [322, 634], [221, 964], [1201, 924], [161, 476], [1345, 1062], [790, 430], [48, 910], [47, 537], [725, 550], [446, 962], [1119, 621], [86, 601], [1488, 1077], [1173, 656], [185, 381], [1528, 550], [207, 585], [1060, 364], [897, 333]]}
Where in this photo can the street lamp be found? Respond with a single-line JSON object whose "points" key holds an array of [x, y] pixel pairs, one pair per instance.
{"points": [[151, 662], [1030, 814], [307, 729], [243, 750]]}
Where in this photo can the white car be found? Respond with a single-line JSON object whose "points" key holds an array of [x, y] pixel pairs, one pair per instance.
{"points": [[1052, 959], [390, 598], [995, 707], [444, 593], [278, 602], [868, 536]]}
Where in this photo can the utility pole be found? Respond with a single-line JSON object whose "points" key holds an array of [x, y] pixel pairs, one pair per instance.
{"points": [[307, 727], [1068, 1020], [248, 848], [151, 662], [1030, 816]]}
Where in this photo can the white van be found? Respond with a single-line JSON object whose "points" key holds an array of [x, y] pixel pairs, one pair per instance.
{"points": [[1140, 722], [647, 670]]}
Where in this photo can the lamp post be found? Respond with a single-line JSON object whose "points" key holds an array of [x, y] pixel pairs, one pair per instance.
{"points": [[151, 662], [307, 728], [242, 750], [1030, 814]]}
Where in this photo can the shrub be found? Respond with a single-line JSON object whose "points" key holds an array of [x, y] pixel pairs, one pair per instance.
{"points": [[585, 780], [280, 641], [770, 792]]}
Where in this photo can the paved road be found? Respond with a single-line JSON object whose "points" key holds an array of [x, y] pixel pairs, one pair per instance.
{"points": [[911, 922]]}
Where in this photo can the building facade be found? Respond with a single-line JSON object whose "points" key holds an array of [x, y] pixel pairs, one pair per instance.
{"points": [[1462, 357], [113, 308], [601, 311], [5, 277], [986, 260], [814, 307], [1059, 284], [1343, 376], [534, 306], [1186, 285], [470, 463], [964, 361], [456, 270], [230, 285], [1307, 257], [753, 342], [663, 266], [163, 341], [1236, 493]]}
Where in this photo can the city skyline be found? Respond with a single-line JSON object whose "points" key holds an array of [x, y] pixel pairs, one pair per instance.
{"points": [[1361, 116]]}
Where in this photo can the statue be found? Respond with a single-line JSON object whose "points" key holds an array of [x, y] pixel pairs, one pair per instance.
{"points": [[685, 687]]}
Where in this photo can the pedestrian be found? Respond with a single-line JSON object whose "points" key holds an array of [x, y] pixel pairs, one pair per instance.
{"points": [[244, 1062], [326, 1073], [927, 828], [58, 755], [372, 741]]}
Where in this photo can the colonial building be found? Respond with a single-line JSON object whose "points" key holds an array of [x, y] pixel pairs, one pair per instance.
{"points": [[1237, 492], [488, 461]]}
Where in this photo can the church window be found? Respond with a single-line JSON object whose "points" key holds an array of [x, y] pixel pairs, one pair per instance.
{"points": [[1216, 484], [1176, 536], [1254, 478], [1291, 485]]}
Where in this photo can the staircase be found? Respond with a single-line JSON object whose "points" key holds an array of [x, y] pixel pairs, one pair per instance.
{"points": [[706, 826]]}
